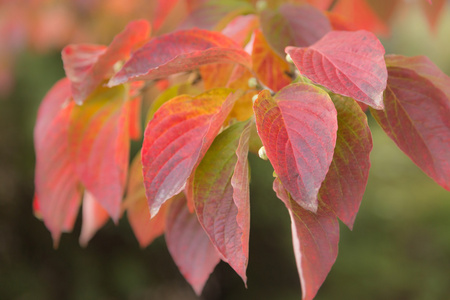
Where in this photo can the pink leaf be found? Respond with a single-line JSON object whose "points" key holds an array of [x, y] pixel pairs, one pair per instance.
{"points": [[94, 217], [293, 25], [180, 51], [345, 183], [88, 65], [144, 228], [298, 130], [189, 245], [416, 115], [99, 145], [58, 190], [315, 237], [348, 63], [221, 195], [177, 138]]}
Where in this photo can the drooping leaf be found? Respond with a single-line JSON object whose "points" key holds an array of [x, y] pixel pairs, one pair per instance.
{"points": [[99, 145], [160, 57], [221, 195], [94, 217], [345, 183], [144, 228], [298, 130], [315, 237], [88, 65], [293, 25], [348, 63], [270, 68], [189, 245], [58, 191], [416, 115], [134, 107], [176, 139]]}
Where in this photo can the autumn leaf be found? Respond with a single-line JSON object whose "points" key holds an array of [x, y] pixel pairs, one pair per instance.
{"points": [[241, 28], [99, 145], [348, 63], [159, 58], [298, 130], [88, 65], [189, 245], [58, 190], [221, 195], [144, 228], [271, 69], [94, 217], [416, 115], [345, 183], [315, 237], [177, 138], [293, 25]]}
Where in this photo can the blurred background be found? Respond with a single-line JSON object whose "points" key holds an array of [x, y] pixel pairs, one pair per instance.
{"points": [[399, 248]]}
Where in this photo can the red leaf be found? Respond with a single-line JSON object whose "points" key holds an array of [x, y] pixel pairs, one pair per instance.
{"points": [[298, 130], [88, 65], [361, 15], [189, 245], [94, 217], [345, 183], [161, 12], [57, 186], [270, 68], [241, 28], [177, 138], [293, 25], [416, 115], [348, 63], [179, 52], [221, 195], [315, 237], [144, 228], [99, 145]]}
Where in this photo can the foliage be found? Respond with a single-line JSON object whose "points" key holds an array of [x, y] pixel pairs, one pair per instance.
{"points": [[223, 89]]}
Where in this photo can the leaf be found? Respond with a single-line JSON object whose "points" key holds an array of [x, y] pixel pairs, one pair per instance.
{"points": [[348, 63], [88, 65], [189, 245], [298, 130], [163, 9], [160, 57], [241, 28], [433, 12], [99, 145], [221, 195], [214, 15], [270, 68], [144, 228], [416, 115], [345, 183], [177, 138], [94, 218], [362, 15], [293, 25], [315, 237], [58, 191]]}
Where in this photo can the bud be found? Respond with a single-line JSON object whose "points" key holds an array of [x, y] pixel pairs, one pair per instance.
{"points": [[262, 153]]}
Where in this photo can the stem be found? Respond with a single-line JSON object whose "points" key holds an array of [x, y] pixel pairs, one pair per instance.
{"points": [[332, 5]]}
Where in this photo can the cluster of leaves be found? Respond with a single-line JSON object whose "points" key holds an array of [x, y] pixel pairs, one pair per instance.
{"points": [[222, 94]]}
